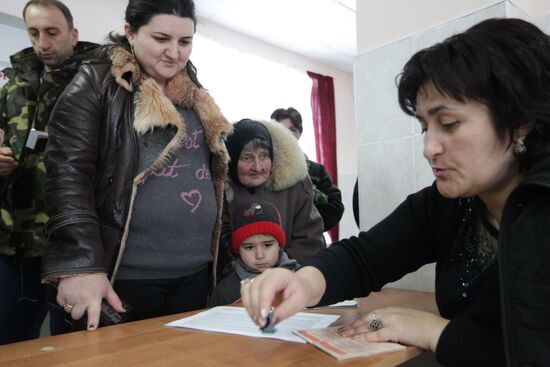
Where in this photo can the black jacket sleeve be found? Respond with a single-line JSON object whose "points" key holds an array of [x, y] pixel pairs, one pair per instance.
{"points": [[467, 343], [331, 207], [398, 245]]}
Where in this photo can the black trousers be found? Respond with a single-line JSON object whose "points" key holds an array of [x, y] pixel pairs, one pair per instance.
{"points": [[23, 305], [159, 297]]}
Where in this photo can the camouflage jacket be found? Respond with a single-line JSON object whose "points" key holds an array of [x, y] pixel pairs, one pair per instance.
{"points": [[26, 103]]}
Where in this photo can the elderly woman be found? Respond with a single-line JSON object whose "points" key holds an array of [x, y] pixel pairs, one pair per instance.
{"points": [[482, 99], [268, 165], [136, 166]]}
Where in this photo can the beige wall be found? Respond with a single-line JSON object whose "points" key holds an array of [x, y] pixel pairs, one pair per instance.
{"points": [[534, 8], [382, 22]]}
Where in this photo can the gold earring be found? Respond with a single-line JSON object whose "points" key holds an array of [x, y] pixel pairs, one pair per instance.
{"points": [[519, 147]]}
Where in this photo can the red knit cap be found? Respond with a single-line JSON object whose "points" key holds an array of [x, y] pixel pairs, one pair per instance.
{"points": [[255, 218]]}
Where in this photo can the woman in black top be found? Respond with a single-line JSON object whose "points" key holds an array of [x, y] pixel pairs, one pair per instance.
{"points": [[482, 98]]}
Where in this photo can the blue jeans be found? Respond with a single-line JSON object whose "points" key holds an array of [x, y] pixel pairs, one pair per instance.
{"points": [[23, 305]]}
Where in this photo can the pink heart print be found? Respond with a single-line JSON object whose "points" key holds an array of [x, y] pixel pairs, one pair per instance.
{"points": [[192, 198]]}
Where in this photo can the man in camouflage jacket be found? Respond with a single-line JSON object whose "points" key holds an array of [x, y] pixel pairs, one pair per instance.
{"points": [[38, 76]]}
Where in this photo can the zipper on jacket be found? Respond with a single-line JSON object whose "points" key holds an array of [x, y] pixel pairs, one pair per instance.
{"points": [[134, 137], [133, 134]]}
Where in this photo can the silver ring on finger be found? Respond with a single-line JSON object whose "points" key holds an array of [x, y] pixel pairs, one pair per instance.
{"points": [[375, 323], [68, 307]]}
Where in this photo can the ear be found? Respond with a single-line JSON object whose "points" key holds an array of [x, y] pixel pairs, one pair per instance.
{"points": [[128, 33], [74, 37], [522, 131]]}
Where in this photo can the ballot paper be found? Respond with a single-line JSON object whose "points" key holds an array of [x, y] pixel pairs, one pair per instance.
{"points": [[329, 341], [235, 320]]}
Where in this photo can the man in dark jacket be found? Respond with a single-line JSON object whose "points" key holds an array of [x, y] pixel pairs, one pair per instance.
{"points": [[37, 77], [328, 198]]}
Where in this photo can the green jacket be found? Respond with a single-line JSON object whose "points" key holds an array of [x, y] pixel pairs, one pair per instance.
{"points": [[26, 103]]}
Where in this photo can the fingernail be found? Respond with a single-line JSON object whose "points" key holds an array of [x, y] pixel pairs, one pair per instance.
{"points": [[91, 327], [263, 313]]}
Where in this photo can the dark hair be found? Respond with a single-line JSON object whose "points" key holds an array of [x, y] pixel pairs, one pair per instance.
{"points": [[52, 3], [244, 132], [288, 113], [140, 12], [502, 63]]}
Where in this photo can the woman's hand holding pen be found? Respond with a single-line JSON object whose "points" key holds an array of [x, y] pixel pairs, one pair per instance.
{"points": [[288, 292]]}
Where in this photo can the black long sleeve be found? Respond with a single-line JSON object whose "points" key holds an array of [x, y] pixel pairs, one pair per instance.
{"points": [[421, 230]]}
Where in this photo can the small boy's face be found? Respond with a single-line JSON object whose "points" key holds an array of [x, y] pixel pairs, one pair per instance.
{"points": [[260, 252]]}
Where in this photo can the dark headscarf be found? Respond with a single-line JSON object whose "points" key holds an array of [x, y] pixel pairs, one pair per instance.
{"points": [[243, 132]]}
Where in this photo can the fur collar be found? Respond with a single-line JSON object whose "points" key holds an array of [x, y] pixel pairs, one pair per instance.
{"points": [[156, 108], [289, 161]]}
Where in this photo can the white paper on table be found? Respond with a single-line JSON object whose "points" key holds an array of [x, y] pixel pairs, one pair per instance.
{"points": [[235, 320], [344, 304]]}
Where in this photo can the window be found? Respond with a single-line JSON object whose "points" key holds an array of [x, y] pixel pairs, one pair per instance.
{"points": [[246, 85]]}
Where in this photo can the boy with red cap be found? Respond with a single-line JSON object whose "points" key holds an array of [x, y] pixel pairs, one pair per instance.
{"points": [[258, 239]]}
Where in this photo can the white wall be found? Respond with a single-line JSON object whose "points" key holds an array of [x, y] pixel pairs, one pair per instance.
{"points": [[533, 8], [391, 164], [94, 19], [12, 36], [382, 22]]}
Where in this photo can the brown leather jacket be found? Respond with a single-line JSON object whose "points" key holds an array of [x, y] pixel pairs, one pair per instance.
{"points": [[91, 159]]}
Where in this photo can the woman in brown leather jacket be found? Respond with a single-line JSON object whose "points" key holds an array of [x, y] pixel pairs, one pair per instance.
{"points": [[136, 165]]}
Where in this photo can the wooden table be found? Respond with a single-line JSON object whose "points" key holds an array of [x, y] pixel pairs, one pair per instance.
{"points": [[150, 343]]}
